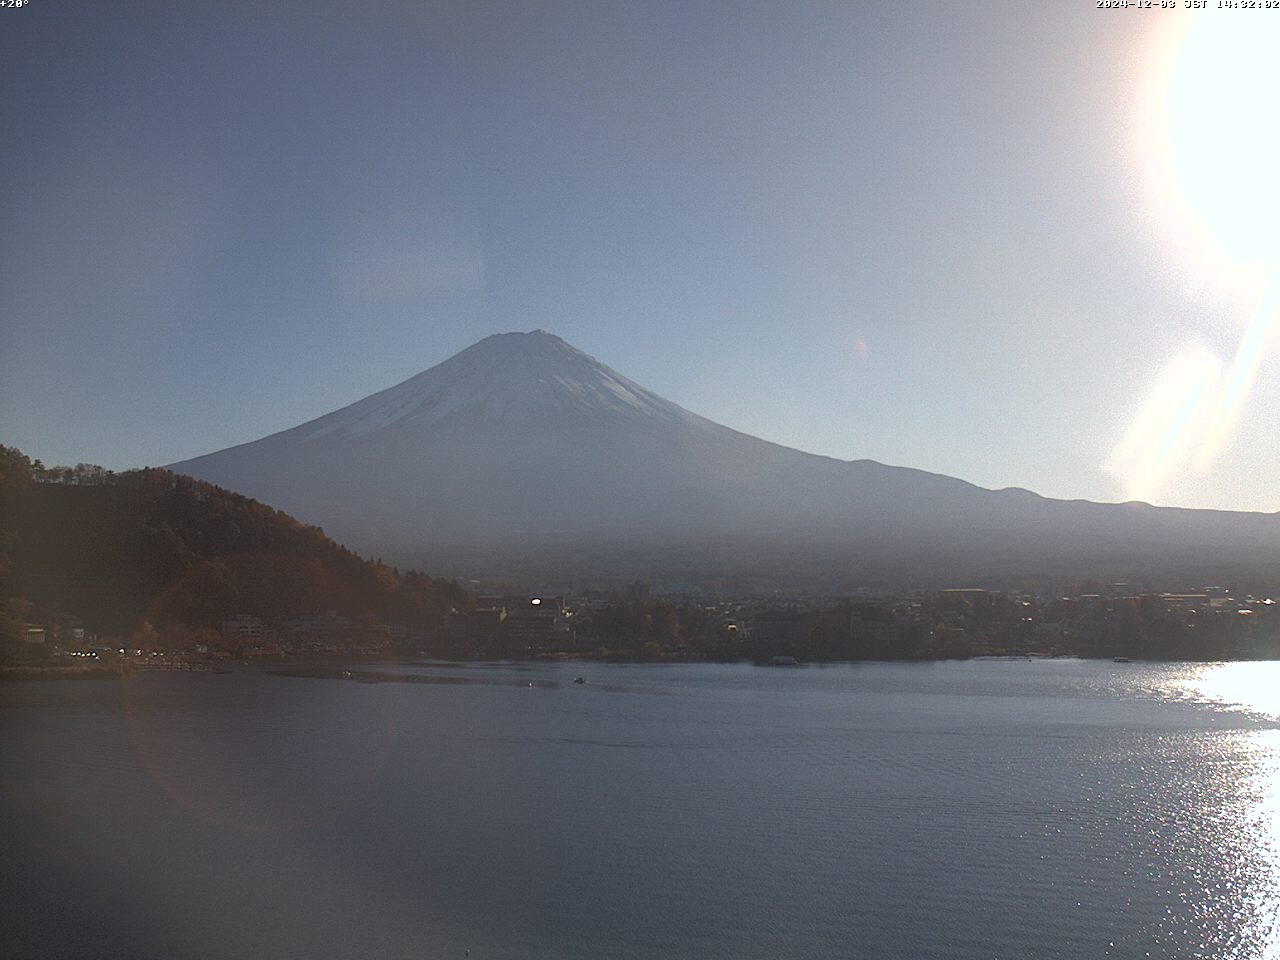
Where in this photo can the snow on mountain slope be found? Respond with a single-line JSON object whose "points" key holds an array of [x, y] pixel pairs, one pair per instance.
{"points": [[508, 377]]}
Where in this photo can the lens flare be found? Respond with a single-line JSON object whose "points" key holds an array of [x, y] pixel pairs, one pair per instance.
{"points": [[1164, 432], [1241, 375], [1216, 170]]}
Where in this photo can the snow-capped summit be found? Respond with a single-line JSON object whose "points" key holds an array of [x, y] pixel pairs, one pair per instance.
{"points": [[522, 455], [507, 377]]}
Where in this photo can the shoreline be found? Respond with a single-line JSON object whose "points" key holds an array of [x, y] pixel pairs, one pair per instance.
{"points": [[380, 670]]}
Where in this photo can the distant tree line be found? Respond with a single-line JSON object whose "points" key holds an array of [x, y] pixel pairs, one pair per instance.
{"points": [[82, 474], [988, 624]]}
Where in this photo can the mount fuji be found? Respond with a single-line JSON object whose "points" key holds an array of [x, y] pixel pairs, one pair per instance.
{"points": [[523, 456]]}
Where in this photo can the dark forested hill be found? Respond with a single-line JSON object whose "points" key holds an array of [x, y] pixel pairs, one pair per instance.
{"points": [[116, 551]]}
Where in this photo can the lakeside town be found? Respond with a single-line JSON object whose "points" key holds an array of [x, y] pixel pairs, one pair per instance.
{"points": [[1088, 619], [151, 570]]}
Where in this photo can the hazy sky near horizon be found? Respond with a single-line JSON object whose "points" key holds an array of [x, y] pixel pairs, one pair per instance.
{"points": [[1021, 244]]}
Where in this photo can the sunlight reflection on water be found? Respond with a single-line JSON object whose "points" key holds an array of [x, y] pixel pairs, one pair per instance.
{"points": [[1266, 783], [1251, 688]]}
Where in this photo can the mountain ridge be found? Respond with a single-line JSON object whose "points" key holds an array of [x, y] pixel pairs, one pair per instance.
{"points": [[524, 446]]}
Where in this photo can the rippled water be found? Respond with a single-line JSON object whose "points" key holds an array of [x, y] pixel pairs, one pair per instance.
{"points": [[993, 809]]}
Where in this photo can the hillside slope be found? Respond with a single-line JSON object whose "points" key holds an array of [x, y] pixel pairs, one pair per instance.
{"points": [[115, 551]]}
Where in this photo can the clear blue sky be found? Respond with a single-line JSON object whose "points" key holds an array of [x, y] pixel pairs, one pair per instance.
{"points": [[933, 234]]}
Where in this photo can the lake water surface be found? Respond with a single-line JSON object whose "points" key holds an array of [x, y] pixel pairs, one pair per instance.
{"points": [[985, 809]]}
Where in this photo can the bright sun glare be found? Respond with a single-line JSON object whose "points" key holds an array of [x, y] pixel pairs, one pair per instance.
{"points": [[1219, 156], [1222, 136]]}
